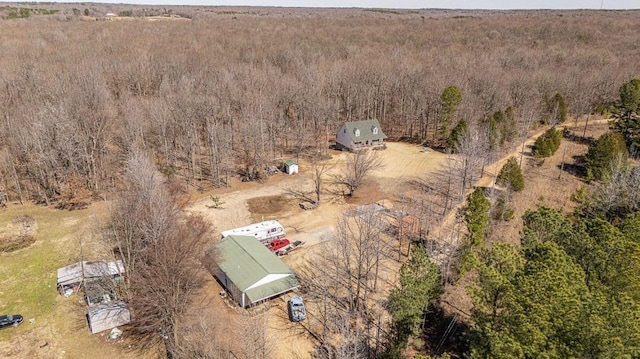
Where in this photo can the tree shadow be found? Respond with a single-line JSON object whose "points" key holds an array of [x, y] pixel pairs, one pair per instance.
{"points": [[527, 151], [445, 333], [577, 168], [300, 195], [432, 196], [573, 137]]}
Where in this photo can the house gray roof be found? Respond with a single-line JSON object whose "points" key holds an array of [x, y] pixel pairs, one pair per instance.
{"points": [[246, 262], [365, 129]]}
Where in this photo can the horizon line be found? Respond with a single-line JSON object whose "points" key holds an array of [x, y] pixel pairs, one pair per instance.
{"points": [[306, 6]]}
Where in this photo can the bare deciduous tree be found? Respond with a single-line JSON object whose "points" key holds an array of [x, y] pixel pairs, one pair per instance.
{"points": [[208, 337], [618, 195], [254, 339], [342, 281], [160, 248], [318, 171], [358, 165], [204, 116], [473, 149]]}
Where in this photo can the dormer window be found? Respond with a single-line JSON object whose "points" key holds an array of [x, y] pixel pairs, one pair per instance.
{"points": [[374, 129], [356, 132]]}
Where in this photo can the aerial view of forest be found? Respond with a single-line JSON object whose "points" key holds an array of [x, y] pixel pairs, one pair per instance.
{"points": [[452, 183]]}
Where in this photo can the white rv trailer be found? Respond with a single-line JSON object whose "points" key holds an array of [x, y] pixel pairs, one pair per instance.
{"points": [[264, 231]]}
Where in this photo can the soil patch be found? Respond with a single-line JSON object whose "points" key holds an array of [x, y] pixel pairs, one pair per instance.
{"points": [[269, 207], [370, 192]]}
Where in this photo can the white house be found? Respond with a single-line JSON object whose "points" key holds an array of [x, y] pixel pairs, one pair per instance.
{"points": [[263, 231], [360, 134]]}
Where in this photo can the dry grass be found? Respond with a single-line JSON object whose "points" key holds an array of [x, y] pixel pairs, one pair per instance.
{"points": [[28, 287], [13, 243]]}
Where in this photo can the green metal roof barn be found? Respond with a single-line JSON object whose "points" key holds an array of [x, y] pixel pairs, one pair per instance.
{"points": [[250, 272]]}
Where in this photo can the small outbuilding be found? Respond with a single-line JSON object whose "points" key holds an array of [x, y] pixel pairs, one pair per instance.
{"points": [[77, 274], [353, 136], [250, 272], [290, 167], [103, 317]]}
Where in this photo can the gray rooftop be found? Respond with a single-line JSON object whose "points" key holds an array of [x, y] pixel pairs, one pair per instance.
{"points": [[366, 130]]}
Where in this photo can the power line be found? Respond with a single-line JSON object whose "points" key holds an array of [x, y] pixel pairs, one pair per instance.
{"points": [[447, 332]]}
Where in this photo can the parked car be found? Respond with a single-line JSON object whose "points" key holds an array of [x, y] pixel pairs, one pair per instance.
{"points": [[10, 320], [297, 312]]}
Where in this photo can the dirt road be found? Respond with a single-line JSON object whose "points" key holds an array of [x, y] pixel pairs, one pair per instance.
{"points": [[491, 171]]}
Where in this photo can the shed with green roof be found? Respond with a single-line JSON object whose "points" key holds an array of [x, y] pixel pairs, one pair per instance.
{"points": [[250, 272], [357, 135], [290, 167]]}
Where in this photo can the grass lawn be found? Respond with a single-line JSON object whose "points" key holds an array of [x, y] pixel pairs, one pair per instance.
{"points": [[28, 275], [28, 287]]}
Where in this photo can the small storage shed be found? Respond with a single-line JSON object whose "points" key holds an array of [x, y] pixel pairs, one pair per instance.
{"points": [[103, 317], [291, 167], [250, 272]]}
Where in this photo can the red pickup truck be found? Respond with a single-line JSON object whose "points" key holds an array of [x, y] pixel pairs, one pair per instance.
{"points": [[277, 244]]}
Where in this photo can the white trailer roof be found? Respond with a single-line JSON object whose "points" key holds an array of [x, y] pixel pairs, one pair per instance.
{"points": [[253, 229]]}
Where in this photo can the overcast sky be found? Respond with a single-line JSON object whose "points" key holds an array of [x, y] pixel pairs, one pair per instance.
{"points": [[402, 4]]}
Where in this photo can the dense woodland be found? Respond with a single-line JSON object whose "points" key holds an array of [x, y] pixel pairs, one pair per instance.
{"points": [[222, 96], [93, 108]]}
